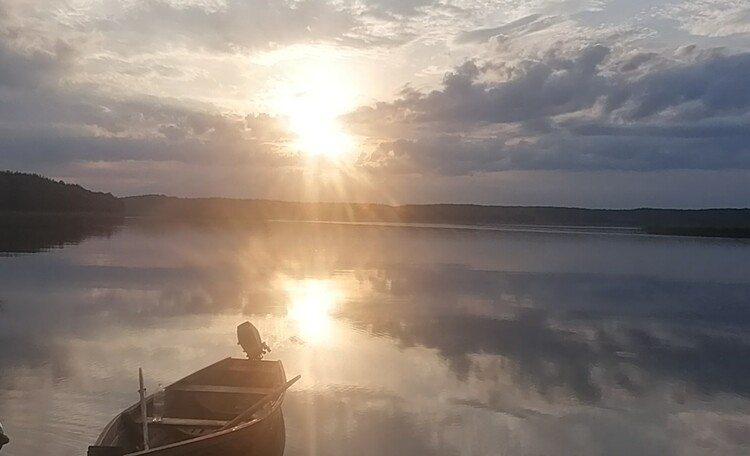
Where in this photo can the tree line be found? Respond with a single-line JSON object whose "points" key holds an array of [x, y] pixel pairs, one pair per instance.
{"points": [[22, 192]]}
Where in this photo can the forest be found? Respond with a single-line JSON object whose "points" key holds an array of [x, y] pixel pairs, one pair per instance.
{"points": [[21, 192]]}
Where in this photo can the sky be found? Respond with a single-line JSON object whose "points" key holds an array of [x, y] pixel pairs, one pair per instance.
{"points": [[592, 103]]}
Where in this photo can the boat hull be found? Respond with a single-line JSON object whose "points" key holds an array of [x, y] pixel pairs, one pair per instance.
{"points": [[207, 399]]}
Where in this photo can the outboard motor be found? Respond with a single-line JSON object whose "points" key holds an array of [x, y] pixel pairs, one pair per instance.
{"points": [[3, 438], [249, 338]]}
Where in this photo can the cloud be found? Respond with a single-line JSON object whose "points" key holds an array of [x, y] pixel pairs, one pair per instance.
{"points": [[398, 7], [531, 23], [538, 321], [591, 110], [540, 86], [231, 26], [24, 69], [48, 119], [222, 145], [712, 86], [534, 89], [714, 18], [455, 155], [636, 61]]}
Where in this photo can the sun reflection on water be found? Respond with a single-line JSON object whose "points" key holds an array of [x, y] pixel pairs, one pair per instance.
{"points": [[310, 303]]}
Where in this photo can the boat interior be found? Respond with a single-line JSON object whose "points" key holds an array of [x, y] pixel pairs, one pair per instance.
{"points": [[199, 404]]}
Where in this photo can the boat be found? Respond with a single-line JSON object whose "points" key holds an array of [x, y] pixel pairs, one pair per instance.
{"points": [[3, 437], [232, 407]]}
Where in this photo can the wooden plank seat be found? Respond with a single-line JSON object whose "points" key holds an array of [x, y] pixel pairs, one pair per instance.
{"points": [[253, 367], [187, 422], [192, 388]]}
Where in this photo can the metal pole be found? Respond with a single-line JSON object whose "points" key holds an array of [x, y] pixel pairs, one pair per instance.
{"points": [[144, 415]]}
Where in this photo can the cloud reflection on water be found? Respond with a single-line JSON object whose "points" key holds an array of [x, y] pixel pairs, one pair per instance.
{"points": [[398, 331]]}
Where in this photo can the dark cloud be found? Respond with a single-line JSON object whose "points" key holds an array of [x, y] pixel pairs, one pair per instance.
{"points": [[585, 112], [707, 88], [535, 89], [597, 148], [698, 130], [24, 69], [63, 126], [637, 60], [223, 145]]}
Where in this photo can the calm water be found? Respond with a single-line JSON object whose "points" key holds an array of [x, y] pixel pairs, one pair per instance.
{"points": [[413, 341]]}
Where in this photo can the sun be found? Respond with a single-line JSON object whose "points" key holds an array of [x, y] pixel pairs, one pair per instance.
{"points": [[312, 96], [317, 131]]}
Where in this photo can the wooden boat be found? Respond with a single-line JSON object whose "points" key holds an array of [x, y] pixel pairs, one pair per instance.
{"points": [[232, 407], [3, 438]]}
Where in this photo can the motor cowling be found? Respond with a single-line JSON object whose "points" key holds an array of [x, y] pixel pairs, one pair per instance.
{"points": [[249, 338]]}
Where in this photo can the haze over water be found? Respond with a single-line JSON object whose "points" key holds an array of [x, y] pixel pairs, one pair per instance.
{"points": [[415, 341]]}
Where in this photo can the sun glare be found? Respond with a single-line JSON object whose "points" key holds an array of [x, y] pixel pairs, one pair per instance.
{"points": [[310, 303], [318, 134], [312, 98]]}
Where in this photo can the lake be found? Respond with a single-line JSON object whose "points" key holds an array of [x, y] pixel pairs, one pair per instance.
{"points": [[410, 340]]}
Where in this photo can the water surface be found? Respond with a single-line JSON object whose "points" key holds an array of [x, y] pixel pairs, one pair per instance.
{"points": [[416, 341]]}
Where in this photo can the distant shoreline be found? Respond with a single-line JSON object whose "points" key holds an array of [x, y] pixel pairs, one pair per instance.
{"points": [[553, 229], [31, 214], [670, 231], [727, 223], [34, 196], [575, 229], [706, 232]]}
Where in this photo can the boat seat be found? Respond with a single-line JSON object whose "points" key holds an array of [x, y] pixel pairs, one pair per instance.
{"points": [[188, 422], [105, 451], [190, 388], [252, 367]]}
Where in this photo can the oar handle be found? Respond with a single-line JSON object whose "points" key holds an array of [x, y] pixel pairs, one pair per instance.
{"points": [[259, 405]]}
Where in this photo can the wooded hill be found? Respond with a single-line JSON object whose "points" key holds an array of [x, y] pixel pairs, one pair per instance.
{"points": [[20, 192]]}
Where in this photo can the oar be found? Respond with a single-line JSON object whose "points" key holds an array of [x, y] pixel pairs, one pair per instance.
{"points": [[259, 405]]}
